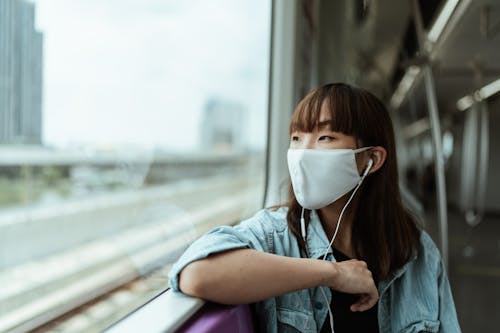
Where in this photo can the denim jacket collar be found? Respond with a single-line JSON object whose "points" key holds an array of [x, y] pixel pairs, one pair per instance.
{"points": [[385, 284], [317, 241]]}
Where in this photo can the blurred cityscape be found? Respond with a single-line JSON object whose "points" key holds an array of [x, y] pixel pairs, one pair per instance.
{"points": [[83, 218], [31, 172], [222, 126]]}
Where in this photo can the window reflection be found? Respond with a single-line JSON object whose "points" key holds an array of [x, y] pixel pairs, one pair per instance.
{"points": [[128, 128]]}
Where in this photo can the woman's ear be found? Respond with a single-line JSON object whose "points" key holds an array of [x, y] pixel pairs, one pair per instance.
{"points": [[378, 155]]}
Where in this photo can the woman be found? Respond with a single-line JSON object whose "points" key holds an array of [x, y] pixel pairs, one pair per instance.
{"points": [[381, 273]]}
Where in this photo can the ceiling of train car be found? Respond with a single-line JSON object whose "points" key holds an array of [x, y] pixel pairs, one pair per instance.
{"points": [[469, 58], [360, 41], [380, 39], [384, 43], [468, 44]]}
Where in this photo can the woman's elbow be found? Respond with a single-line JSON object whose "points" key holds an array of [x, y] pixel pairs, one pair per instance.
{"points": [[192, 280]]}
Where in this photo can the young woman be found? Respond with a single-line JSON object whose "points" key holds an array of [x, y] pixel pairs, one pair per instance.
{"points": [[377, 271]]}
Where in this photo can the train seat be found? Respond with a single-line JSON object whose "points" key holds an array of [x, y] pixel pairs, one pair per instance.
{"points": [[217, 318]]}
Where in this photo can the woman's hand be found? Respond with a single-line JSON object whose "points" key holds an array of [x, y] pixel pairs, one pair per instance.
{"points": [[354, 277]]}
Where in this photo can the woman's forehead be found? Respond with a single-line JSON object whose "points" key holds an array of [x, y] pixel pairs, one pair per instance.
{"points": [[313, 119], [316, 109], [325, 115]]}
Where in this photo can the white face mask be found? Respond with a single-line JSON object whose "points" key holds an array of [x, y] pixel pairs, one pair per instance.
{"points": [[320, 177]]}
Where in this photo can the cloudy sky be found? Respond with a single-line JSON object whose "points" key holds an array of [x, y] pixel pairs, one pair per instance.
{"points": [[140, 71]]}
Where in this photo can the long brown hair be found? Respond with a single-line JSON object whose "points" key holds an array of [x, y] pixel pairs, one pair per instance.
{"points": [[384, 233]]}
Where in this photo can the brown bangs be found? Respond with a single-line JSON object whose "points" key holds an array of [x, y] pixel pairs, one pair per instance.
{"points": [[336, 99]]}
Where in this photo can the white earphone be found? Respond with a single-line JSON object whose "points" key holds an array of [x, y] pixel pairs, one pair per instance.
{"points": [[368, 167], [304, 233]]}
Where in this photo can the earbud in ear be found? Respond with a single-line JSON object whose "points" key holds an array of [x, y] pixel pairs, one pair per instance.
{"points": [[368, 167]]}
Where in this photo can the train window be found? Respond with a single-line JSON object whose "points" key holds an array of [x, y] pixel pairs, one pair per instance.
{"points": [[128, 128]]}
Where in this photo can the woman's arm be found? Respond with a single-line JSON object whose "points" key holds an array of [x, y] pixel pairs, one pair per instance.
{"points": [[246, 276]]}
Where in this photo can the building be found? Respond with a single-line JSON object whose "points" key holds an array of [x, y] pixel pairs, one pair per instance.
{"points": [[21, 61], [222, 126]]}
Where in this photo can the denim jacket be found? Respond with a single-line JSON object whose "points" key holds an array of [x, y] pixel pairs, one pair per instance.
{"points": [[415, 298]]}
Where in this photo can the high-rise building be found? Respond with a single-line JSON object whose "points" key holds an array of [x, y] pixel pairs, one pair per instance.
{"points": [[222, 125], [21, 62]]}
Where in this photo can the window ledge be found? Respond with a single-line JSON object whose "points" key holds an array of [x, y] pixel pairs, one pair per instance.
{"points": [[171, 307]]}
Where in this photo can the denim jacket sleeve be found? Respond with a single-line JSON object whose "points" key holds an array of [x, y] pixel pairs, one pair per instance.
{"points": [[447, 313], [253, 233], [417, 297]]}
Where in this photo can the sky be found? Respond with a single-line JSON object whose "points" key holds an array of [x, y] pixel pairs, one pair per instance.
{"points": [[139, 72]]}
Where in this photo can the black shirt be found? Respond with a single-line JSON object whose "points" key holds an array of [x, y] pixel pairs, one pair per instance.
{"points": [[344, 320]]}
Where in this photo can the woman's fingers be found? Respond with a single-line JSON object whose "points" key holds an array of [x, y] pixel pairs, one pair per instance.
{"points": [[354, 277], [365, 302]]}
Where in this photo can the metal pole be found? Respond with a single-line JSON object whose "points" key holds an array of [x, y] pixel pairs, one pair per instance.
{"points": [[432, 107], [438, 161]]}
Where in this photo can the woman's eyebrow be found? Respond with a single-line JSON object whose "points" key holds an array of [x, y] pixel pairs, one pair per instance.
{"points": [[324, 124]]}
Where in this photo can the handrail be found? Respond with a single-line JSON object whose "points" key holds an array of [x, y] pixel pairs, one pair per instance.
{"points": [[475, 163], [469, 158], [438, 162], [430, 90], [483, 159]]}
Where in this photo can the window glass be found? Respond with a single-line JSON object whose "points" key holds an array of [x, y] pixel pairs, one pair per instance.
{"points": [[127, 129]]}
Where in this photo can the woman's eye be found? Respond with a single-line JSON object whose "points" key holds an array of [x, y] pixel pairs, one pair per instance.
{"points": [[326, 138], [295, 138]]}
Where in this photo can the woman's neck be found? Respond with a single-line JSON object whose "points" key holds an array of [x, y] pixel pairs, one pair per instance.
{"points": [[329, 217]]}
